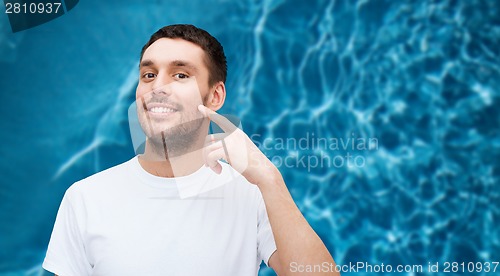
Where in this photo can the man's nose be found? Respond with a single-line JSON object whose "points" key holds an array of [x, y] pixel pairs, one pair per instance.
{"points": [[161, 85]]}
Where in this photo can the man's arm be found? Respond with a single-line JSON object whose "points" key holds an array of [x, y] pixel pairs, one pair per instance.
{"points": [[296, 241]]}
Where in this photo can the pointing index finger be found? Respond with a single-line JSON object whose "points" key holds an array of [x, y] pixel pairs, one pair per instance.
{"points": [[220, 120]]}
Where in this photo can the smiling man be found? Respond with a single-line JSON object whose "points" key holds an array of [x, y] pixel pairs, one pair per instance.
{"points": [[177, 209]]}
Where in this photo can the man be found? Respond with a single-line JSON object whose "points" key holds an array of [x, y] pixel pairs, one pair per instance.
{"points": [[177, 209]]}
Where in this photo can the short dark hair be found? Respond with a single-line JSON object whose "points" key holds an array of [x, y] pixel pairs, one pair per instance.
{"points": [[216, 60]]}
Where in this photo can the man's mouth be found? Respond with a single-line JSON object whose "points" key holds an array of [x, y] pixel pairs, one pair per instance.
{"points": [[161, 109]]}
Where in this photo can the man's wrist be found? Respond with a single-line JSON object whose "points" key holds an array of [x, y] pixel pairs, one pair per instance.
{"points": [[269, 176]]}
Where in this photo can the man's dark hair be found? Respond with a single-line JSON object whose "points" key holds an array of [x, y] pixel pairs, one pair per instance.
{"points": [[216, 60]]}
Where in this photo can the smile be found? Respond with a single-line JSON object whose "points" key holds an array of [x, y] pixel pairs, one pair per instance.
{"points": [[161, 110]]}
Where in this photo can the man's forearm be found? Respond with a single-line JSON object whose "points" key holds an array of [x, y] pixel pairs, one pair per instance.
{"points": [[295, 239]]}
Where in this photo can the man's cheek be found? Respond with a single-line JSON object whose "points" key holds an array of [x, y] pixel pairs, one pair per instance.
{"points": [[187, 90], [140, 94]]}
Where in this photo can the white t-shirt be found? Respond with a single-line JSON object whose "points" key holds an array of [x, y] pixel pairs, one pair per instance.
{"points": [[125, 221]]}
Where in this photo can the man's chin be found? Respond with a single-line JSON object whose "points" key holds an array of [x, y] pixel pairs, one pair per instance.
{"points": [[164, 129], [176, 139], [174, 129]]}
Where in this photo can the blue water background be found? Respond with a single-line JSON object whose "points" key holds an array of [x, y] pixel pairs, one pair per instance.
{"points": [[422, 78]]}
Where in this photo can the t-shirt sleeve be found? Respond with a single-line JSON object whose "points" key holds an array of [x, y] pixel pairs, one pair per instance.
{"points": [[66, 252], [265, 239]]}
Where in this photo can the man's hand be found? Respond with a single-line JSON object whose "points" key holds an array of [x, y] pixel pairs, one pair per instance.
{"points": [[236, 148]]}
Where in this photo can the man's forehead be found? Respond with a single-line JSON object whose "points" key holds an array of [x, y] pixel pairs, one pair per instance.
{"points": [[165, 51]]}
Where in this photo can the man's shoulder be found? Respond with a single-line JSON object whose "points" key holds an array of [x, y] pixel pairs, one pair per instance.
{"points": [[104, 178], [117, 171]]}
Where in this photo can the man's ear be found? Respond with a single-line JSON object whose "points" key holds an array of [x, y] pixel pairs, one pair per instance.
{"points": [[217, 96]]}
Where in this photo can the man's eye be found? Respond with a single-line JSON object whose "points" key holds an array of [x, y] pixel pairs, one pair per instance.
{"points": [[181, 76], [149, 75]]}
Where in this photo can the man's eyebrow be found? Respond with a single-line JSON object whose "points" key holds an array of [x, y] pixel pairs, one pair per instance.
{"points": [[182, 63], [174, 63], [145, 63]]}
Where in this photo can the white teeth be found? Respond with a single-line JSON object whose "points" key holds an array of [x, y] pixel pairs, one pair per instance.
{"points": [[159, 109]]}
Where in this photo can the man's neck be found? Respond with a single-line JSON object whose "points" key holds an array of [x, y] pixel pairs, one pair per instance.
{"points": [[158, 163]]}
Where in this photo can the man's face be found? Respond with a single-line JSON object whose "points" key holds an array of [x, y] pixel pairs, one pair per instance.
{"points": [[173, 81]]}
